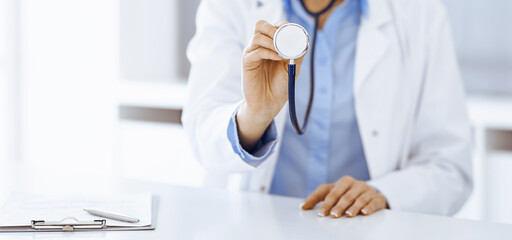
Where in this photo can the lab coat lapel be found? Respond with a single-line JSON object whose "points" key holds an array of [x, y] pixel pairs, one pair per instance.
{"points": [[372, 44], [372, 47]]}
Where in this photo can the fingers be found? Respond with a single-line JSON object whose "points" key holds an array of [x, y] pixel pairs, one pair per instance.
{"points": [[281, 24], [348, 198], [260, 40], [360, 202], [262, 53], [266, 28], [347, 195], [376, 204], [263, 38], [264, 35], [317, 196], [334, 196]]}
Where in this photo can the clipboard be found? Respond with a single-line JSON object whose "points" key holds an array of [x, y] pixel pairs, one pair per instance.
{"points": [[84, 222]]}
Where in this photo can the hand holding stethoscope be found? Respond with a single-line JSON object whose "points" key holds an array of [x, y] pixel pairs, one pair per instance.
{"points": [[265, 83], [274, 55]]}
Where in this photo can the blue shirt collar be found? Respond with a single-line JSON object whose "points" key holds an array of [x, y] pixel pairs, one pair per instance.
{"points": [[363, 5]]}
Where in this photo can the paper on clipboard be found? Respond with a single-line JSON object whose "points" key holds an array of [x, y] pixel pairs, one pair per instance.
{"points": [[19, 210]]}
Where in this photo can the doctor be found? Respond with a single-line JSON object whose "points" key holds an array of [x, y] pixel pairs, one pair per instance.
{"points": [[388, 126]]}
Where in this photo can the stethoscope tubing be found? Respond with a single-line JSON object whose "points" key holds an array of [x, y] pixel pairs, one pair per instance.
{"points": [[292, 73], [291, 100]]}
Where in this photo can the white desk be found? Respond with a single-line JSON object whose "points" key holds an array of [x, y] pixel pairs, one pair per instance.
{"points": [[197, 213]]}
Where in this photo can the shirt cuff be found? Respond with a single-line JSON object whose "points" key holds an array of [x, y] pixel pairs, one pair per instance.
{"points": [[263, 149]]}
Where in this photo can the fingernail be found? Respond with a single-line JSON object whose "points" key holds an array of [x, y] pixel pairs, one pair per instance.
{"points": [[349, 213], [321, 212], [335, 213], [364, 211], [301, 206]]}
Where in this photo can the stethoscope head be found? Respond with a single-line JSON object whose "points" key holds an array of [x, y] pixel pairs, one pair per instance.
{"points": [[291, 41]]}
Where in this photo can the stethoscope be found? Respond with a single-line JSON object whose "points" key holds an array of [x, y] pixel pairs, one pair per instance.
{"points": [[291, 41]]}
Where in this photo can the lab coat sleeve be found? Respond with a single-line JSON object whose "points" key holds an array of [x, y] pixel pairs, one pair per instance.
{"points": [[437, 177], [214, 84], [264, 148]]}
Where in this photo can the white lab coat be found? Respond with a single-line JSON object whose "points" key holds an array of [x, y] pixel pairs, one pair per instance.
{"points": [[409, 100]]}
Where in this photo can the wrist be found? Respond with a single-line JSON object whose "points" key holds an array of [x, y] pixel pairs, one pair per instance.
{"points": [[254, 118], [251, 127]]}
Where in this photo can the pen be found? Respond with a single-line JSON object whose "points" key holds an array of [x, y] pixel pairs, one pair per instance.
{"points": [[111, 215]]}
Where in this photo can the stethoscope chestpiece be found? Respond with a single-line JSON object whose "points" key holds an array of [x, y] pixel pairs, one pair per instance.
{"points": [[291, 41]]}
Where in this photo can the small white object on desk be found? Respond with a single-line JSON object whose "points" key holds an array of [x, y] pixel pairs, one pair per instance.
{"points": [[111, 215], [33, 212]]}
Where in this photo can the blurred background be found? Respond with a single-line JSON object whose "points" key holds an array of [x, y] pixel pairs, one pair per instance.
{"points": [[91, 93]]}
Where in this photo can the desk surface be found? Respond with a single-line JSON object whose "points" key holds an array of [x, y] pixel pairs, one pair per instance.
{"points": [[199, 213]]}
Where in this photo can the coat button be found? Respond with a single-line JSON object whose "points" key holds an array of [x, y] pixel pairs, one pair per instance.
{"points": [[262, 188], [375, 133]]}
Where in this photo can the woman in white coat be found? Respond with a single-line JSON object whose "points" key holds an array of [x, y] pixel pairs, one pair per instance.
{"points": [[404, 141]]}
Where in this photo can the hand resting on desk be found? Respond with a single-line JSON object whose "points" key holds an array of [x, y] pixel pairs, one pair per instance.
{"points": [[346, 195]]}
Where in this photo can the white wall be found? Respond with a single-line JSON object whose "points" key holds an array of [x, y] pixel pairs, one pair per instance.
{"points": [[8, 92], [148, 39], [153, 38], [69, 75], [483, 38]]}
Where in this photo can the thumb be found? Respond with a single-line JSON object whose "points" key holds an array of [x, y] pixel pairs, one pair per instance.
{"points": [[281, 24]]}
